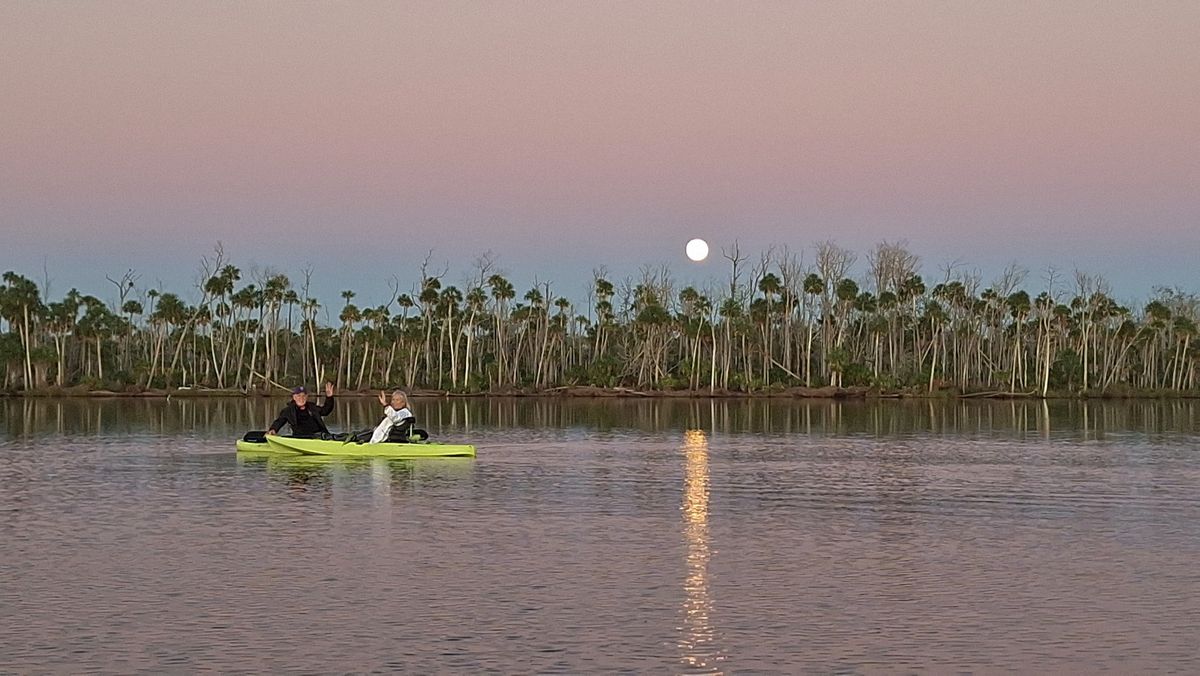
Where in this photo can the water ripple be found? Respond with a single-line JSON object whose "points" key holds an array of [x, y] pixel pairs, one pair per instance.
{"points": [[574, 550]]}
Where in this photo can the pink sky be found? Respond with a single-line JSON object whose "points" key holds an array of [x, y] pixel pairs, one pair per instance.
{"points": [[564, 136]]}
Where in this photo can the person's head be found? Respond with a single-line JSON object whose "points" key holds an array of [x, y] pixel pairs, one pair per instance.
{"points": [[399, 399], [300, 395]]}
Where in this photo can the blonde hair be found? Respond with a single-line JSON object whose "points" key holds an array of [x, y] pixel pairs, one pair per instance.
{"points": [[400, 393]]}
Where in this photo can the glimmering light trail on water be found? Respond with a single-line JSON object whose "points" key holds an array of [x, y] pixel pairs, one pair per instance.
{"points": [[697, 643]]}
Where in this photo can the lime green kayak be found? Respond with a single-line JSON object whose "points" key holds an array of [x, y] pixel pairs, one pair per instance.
{"points": [[353, 450]]}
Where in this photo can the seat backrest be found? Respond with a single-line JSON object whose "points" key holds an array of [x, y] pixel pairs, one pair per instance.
{"points": [[399, 432]]}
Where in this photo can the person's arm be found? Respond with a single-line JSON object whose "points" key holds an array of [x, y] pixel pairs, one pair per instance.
{"points": [[278, 424], [327, 405]]}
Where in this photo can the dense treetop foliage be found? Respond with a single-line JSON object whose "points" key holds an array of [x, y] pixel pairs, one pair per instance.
{"points": [[778, 321]]}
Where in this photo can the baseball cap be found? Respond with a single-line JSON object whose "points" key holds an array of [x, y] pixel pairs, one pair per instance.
{"points": [[299, 390]]}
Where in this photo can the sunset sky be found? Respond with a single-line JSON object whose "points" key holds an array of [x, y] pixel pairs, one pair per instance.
{"points": [[563, 136]]}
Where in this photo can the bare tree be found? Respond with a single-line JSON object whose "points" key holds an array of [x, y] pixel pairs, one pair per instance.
{"points": [[890, 265], [833, 264], [736, 258]]}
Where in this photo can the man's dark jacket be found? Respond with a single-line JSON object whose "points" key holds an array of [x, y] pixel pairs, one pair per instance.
{"points": [[292, 416]]}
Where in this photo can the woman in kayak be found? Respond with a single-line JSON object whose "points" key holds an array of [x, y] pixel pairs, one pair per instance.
{"points": [[304, 420], [394, 414]]}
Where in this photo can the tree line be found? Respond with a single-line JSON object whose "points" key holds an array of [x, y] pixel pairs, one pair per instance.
{"points": [[778, 321]]}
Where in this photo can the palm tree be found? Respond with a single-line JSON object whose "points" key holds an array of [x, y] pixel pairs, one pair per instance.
{"points": [[502, 293], [20, 300], [97, 323], [731, 313], [564, 326], [349, 316], [243, 302], [428, 297], [1158, 317], [770, 287], [60, 324], [605, 318], [814, 287], [1019, 307], [168, 312], [131, 308], [308, 311], [476, 305]]}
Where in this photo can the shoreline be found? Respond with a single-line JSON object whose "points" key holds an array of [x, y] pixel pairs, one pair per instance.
{"points": [[592, 392]]}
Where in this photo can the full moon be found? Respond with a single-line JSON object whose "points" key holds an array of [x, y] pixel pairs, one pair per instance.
{"points": [[697, 249]]}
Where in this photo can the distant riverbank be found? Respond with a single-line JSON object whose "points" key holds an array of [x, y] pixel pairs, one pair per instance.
{"points": [[588, 391]]}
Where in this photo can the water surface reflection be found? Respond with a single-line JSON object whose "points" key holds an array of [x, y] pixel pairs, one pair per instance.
{"points": [[1013, 419], [606, 536], [699, 643]]}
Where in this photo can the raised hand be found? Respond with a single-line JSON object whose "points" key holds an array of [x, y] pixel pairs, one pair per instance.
{"points": [[383, 398], [329, 389]]}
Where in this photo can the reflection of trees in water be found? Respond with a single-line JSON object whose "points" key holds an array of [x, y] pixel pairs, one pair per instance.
{"points": [[134, 416], [880, 418], [698, 641], [226, 416]]}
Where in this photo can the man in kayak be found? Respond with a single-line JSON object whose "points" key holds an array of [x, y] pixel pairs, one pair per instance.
{"points": [[304, 419], [393, 414]]}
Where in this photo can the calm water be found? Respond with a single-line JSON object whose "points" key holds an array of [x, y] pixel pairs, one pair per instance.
{"points": [[647, 536]]}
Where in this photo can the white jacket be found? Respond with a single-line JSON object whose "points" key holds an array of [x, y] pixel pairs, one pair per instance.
{"points": [[391, 418]]}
